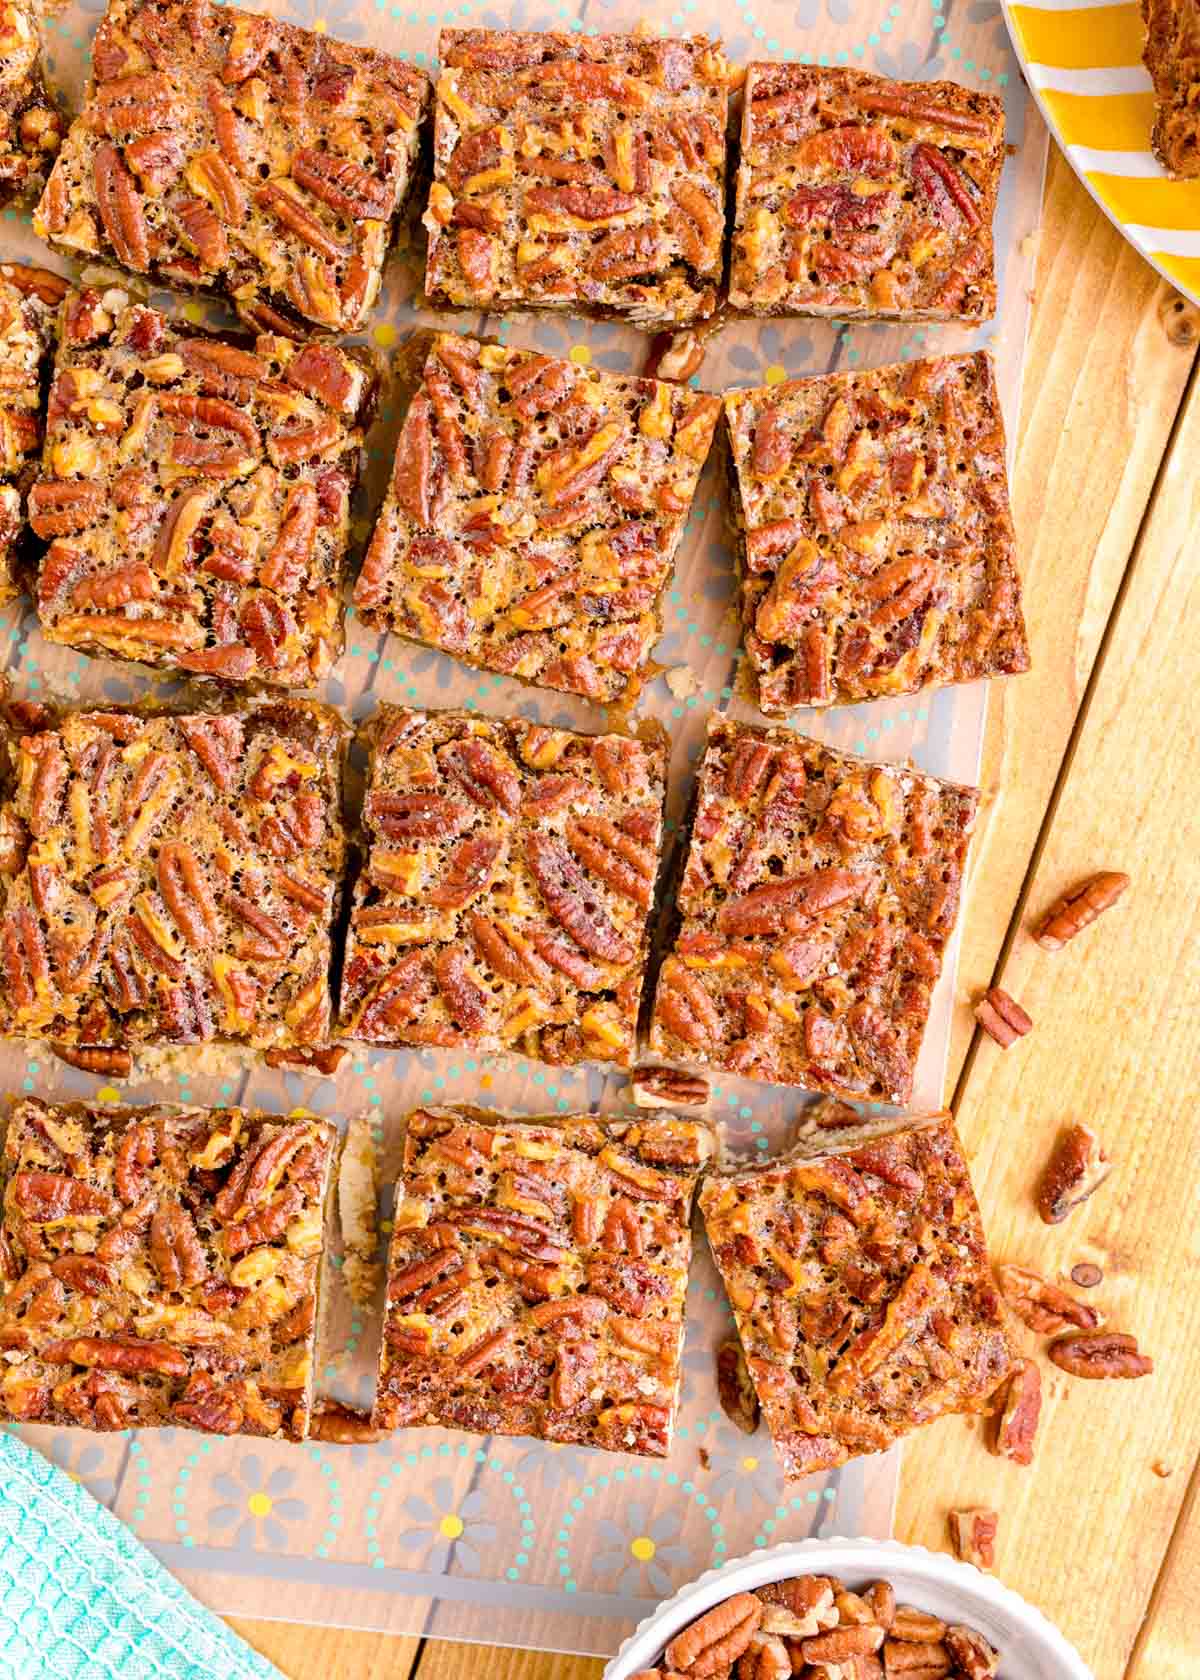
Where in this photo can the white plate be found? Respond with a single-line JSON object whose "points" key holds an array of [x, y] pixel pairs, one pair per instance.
{"points": [[1030, 1647]]}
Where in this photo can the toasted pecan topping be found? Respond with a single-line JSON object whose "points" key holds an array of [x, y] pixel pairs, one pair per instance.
{"points": [[537, 1274], [130, 1301]]}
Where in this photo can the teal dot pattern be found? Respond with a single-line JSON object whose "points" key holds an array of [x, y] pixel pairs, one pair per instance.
{"points": [[550, 1526]]}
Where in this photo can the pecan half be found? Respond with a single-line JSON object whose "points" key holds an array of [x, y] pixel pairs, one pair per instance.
{"points": [[1078, 908], [120, 208], [661, 1087], [717, 1639], [1042, 1305], [1077, 1166], [1106, 1354]]}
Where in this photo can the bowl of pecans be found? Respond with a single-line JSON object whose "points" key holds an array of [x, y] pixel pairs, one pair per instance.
{"points": [[846, 1610]]}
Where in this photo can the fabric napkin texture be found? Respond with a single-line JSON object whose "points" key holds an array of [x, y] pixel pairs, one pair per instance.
{"points": [[80, 1596]]}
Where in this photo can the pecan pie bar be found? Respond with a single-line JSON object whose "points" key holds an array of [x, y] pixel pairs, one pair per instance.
{"points": [[873, 533], [858, 1275], [235, 154], [535, 511], [29, 298], [196, 494], [172, 880], [858, 196], [507, 887], [30, 127], [161, 1267], [817, 899], [579, 172], [1172, 56], [537, 1276]]}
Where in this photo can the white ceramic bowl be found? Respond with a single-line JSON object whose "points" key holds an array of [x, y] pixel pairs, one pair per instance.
{"points": [[1030, 1648]]}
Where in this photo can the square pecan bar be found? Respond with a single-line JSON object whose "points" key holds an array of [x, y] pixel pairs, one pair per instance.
{"points": [[534, 515], [537, 1275], [30, 127], [1172, 55], [817, 899], [29, 299], [579, 172], [859, 197], [172, 880], [196, 494], [224, 152], [162, 1267], [506, 893], [858, 1274], [874, 538]]}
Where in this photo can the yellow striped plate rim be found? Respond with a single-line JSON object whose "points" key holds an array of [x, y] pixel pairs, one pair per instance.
{"points": [[1083, 61]]}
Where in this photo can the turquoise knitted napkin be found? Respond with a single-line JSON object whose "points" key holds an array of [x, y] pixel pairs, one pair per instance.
{"points": [[82, 1599]]}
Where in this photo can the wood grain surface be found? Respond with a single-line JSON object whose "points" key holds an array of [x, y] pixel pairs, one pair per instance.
{"points": [[1091, 761]]}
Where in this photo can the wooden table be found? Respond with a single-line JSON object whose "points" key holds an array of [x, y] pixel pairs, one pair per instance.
{"points": [[1092, 761]]}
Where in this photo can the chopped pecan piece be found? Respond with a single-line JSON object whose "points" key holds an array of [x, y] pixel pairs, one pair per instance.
{"points": [[655, 1087], [1042, 1305], [1079, 907], [1078, 1166], [1016, 1423], [1106, 1354], [973, 1535], [735, 1389], [1002, 1017]]}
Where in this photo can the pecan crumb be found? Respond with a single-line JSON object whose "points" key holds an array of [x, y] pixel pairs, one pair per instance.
{"points": [[1079, 907], [1086, 1275], [1160, 1469], [1077, 1166], [705, 1460], [973, 1534], [1002, 1017]]}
